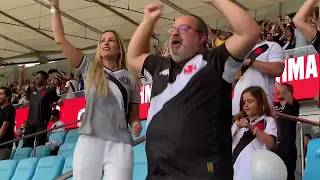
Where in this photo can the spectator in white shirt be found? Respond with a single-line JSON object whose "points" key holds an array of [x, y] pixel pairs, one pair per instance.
{"points": [[263, 64], [55, 118], [71, 86]]}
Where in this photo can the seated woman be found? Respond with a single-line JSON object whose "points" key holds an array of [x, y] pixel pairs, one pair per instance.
{"points": [[253, 129]]}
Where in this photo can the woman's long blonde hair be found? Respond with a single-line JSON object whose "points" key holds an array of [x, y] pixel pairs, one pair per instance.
{"points": [[96, 75]]}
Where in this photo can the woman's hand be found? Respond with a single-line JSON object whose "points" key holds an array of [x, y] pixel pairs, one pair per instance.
{"points": [[136, 128], [243, 123]]}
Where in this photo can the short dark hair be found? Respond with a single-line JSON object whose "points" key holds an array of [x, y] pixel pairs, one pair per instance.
{"points": [[71, 75], [56, 113], [308, 136], [44, 74], [201, 26], [289, 86], [7, 92]]}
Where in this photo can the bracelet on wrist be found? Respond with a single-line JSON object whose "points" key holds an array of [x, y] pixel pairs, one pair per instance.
{"points": [[251, 62]]}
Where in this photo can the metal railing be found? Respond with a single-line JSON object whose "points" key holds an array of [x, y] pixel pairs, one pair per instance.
{"points": [[69, 174], [302, 122], [38, 133]]}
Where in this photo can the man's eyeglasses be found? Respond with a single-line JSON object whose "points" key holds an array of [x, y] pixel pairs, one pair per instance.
{"points": [[181, 29]]}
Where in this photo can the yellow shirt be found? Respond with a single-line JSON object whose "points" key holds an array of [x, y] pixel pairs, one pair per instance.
{"points": [[218, 42]]}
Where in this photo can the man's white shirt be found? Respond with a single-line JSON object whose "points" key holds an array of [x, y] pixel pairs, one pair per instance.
{"points": [[253, 77]]}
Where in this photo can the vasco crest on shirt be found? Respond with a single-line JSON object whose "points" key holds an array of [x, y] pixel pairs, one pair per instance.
{"points": [[125, 80]]}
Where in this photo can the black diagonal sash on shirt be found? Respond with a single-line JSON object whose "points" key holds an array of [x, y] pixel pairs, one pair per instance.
{"points": [[246, 139], [123, 92], [254, 54]]}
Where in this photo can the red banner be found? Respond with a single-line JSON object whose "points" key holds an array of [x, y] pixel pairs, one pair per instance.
{"points": [[301, 72]]}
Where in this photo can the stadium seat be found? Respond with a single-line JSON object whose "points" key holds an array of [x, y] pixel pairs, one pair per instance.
{"points": [[313, 161], [49, 168], [12, 153], [7, 168], [25, 169], [140, 162], [20, 144], [22, 153], [67, 165], [66, 149], [58, 136], [72, 136], [43, 151]]}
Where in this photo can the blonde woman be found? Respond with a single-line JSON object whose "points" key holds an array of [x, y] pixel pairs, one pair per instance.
{"points": [[112, 101], [254, 129]]}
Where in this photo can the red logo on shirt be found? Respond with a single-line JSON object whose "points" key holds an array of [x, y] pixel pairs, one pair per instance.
{"points": [[43, 93], [260, 125], [189, 69], [258, 51]]}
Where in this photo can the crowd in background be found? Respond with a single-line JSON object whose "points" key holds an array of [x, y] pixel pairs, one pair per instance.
{"points": [[281, 31], [64, 83]]}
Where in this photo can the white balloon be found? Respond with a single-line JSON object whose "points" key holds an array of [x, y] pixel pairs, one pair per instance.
{"points": [[266, 165]]}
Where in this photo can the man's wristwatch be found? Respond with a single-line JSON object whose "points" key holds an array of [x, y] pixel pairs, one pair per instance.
{"points": [[251, 62]]}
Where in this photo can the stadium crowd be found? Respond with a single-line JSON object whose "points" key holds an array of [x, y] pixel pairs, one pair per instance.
{"points": [[64, 83]]}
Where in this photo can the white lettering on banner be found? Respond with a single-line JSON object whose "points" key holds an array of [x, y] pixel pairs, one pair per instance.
{"points": [[295, 69], [145, 94]]}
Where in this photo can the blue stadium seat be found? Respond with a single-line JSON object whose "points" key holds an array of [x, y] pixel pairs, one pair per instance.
{"points": [[49, 168], [313, 160], [7, 168], [58, 136], [43, 151], [25, 169], [22, 153], [67, 165], [20, 144], [72, 136], [12, 153], [140, 162], [66, 149]]}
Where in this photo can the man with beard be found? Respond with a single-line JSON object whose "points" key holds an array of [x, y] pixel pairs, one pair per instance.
{"points": [[41, 100], [287, 149], [7, 122], [189, 120]]}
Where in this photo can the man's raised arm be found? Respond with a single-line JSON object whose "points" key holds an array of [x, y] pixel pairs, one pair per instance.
{"points": [[138, 48], [301, 20], [246, 31]]}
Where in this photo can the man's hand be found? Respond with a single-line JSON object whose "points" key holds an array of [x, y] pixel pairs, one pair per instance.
{"points": [[153, 11], [136, 128]]}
